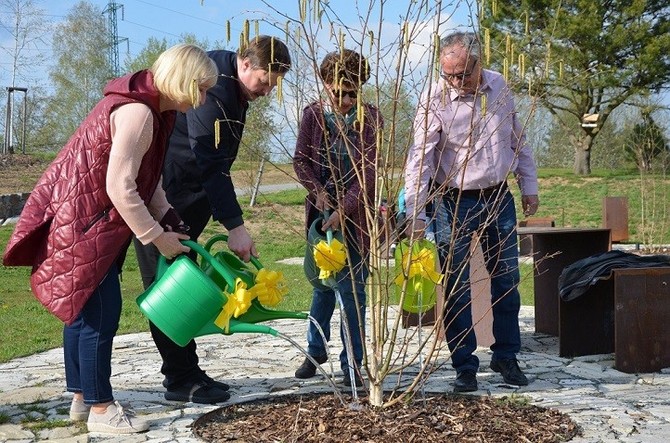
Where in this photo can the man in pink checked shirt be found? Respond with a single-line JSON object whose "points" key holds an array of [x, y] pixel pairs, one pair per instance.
{"points": [[468, 137]]}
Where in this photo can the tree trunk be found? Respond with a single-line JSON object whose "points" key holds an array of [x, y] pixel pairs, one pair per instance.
{"points": [[583, 154], [376, 393], [582, 161]]}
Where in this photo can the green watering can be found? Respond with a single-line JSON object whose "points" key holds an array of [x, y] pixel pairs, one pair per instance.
{"points": [[186, 299], [257, 312], [314, 236]]}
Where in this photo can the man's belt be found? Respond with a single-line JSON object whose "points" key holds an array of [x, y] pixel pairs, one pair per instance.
{"points": [[477, 193]]}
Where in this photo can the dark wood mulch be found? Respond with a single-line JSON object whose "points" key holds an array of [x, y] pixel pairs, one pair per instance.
{"points": [[441, 418]]}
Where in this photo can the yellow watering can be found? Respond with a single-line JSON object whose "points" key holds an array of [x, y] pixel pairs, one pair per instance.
{"points": [[417, 264], [185, 300]]}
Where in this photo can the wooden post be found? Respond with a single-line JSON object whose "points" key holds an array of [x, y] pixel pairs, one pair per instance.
{"points": [[615, 217]]}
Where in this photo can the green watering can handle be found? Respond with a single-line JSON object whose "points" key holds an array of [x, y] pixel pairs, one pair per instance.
{"points": [[162, 265], [225, 273], [223, 237], [329, 232]]}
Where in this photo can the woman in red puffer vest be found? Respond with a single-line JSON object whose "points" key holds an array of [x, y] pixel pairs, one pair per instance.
{"points": [[103, 187]]}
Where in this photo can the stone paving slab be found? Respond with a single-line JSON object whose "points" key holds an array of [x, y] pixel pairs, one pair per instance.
{"points": [[609, 405]]}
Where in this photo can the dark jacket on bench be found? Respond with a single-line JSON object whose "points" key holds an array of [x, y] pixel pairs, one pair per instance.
{"points": [[576, 278]]}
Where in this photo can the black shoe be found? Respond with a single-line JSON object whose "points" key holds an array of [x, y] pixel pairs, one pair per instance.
{"points": [[215, 383], [207, 379], [198, 392], [307, 368], [466, 381], [509, 368], [346, 381]]}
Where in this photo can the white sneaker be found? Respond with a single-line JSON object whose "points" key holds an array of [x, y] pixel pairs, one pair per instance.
{"points": [[79, 410], [116, 420]]}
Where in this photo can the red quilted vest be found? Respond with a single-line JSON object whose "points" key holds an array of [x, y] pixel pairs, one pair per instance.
{"points": [[69, 231]]}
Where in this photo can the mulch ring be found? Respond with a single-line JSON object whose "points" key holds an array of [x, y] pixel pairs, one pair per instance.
{"points": [[322, 418]]}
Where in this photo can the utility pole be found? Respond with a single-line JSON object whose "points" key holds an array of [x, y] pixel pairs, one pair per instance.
{"points": [[8, 147], [113, 36]]}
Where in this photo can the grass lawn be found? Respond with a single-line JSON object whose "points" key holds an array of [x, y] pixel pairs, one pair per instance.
{"points": [[276, 224]]}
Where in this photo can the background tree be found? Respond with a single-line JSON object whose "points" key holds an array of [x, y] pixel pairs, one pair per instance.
{"points": [[147, 55], [396, 102], [80, 72], [646, 142], [579, 57], [28, 28]]}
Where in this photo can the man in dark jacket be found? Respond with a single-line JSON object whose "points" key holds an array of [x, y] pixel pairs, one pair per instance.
{"points": [[198, 184]]}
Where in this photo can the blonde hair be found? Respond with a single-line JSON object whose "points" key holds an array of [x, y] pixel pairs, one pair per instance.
{"points": [[181, 71]]}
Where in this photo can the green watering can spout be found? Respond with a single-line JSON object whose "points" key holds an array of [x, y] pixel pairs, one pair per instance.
{"points": [[236, 327]]}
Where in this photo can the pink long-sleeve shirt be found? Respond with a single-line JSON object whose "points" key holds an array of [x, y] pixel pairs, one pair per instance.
{"points": [[132, 127], [467, 142]]}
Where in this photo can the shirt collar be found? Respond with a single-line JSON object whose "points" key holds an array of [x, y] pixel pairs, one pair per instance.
{"points": [[484, 86]]}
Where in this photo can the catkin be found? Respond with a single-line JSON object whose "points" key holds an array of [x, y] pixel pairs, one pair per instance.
{"points": [[280, 94]]}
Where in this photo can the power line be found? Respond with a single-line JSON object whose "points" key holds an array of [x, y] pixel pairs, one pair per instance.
{"points": [[180, 13], [150, 28]]}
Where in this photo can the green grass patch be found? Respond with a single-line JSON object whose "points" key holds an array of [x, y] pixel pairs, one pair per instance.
{"points": [[278, 232]]}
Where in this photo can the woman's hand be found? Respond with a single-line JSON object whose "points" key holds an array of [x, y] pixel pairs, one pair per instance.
{"points": [[169, 244], [333, 222], [322, 201]]}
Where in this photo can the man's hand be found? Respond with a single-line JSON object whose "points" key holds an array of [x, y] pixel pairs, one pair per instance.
{"points": [[240, 242], [529, 203], [415, 229]]}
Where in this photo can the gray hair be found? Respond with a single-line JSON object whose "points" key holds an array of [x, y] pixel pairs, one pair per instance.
{"points": [[468, 40]]}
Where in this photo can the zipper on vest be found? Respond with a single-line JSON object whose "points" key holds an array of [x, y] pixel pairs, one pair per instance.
{"points": [[102, 215]]}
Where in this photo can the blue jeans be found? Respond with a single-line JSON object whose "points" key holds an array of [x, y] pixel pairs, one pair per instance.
{"points": [[493, 218], [351, 284], [87, 342]]}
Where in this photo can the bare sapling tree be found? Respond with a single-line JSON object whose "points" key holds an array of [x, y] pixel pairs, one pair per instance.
{"points": [[401, 66]]}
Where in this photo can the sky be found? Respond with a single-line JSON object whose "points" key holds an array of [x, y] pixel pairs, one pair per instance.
{"points": [[138, 20]]}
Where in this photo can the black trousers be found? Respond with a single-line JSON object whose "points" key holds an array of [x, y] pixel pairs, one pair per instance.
{"points": [[180, 364]]}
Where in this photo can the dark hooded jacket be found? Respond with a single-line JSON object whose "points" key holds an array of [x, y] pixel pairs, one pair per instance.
{"points": [[69, 231]]}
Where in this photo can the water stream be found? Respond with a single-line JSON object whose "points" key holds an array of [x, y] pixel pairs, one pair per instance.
{"points": [[351, 361], [330, 381], [325, 342]]}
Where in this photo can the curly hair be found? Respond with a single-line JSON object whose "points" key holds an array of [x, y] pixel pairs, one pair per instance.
{"points": [[346, 67]]}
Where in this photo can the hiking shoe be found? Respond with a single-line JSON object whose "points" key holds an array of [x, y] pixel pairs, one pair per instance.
{"points": [[466, 381], [346, 381], [197, 392], [207, 379], [79, 410], [116, 420], [509, 368], [307, 368]]}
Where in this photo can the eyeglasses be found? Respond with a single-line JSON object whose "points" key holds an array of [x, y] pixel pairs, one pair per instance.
{"points": [[338, 93], [459, 76]]}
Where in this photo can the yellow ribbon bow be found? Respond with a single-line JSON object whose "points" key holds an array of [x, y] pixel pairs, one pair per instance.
{"points": [[238, 303], [330, 259], [421, 264], [270, 287]]}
